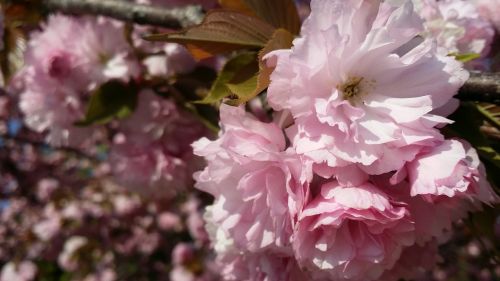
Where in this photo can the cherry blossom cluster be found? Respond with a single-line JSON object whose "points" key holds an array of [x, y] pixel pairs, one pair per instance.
{"points": [[103, 202], [352, 179], [489, 10], [62, 216], [457, 26], [69, 58]]}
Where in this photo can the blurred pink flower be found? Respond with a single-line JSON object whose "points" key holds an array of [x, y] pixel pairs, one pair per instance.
{"points": [[23, 271], [457, 26], [260, 267], [73, 211], [46, 187], [415, 262], [68, 258], [148, 168], [104, 275], [183, 253], [147, 242], [176, 59], [362, 91], [53, 108], [180, 273], [490, 10], [194, 222], [81, 52], [432, 219], [353, 233], [155, 158], [48, 228], [125, 204], [63, 62], [169, 221]]}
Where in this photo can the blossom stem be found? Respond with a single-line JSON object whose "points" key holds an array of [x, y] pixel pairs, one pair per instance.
{"points": [[130, 12]]}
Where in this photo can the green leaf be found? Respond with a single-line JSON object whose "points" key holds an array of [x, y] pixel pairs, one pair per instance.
{"points": [[113, 99], [491, 112], [247, 75], [466, 57], [244, 90], [220, 32], [233, 68], [256, 82]]}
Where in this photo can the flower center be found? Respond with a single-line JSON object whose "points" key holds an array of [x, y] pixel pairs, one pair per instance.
{"points": [[351, 88], [59, 66], [354, 88]]}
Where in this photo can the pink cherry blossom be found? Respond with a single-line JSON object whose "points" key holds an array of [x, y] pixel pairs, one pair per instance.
{"points": [[168, 221], [23, 271], [194, 221], [353, 233], [106, 274], [414, 262], [53, 108], [236, 265], [361, 87], [81, 52], [68, 259], [183, 253], [457, 26], [148, 168], [155, 157], [125, 204], [47, 228], [258, 187], [489, 9], [176, 59], [64, 61], [432, 219], [46, 188], [261, 267], [450, 169]]}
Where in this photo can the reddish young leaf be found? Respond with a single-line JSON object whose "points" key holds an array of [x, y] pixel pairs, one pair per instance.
{"points": [[279, 13], [237, 5], [221, 31]]}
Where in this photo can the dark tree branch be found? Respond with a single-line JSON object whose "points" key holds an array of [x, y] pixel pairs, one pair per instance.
{"points": [[37, 143], [482, 87], [130, 12]]}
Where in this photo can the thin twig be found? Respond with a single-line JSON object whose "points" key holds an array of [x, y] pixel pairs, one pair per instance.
{"points": [[38, 143], [130, 12]]}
